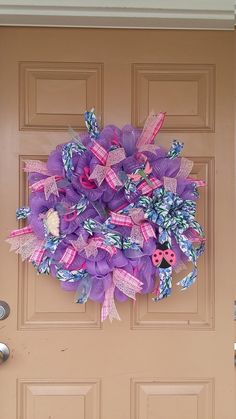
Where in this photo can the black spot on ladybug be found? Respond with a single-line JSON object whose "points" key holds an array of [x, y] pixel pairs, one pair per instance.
{"points": [[164, 247]]}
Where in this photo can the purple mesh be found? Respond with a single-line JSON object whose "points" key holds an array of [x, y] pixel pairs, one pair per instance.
{"points": [[137, 262]]}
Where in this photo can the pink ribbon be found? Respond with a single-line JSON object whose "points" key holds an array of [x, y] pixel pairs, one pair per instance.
{"points": [[197, 182], [21, 231], [36, 166], [170, 183], [91, 247], [194, 236], [104, 170], [48, 185], [24, 244], [151, 127], [37, 254], [140, 230], [126, 283]]}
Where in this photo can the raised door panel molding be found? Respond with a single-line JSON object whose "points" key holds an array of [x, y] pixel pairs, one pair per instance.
{"points": [[42, 304], [55, 95], [161, 399], [162, 87], [194, 308], [45, 399]]}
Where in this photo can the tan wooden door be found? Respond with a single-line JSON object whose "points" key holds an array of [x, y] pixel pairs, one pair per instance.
{"points": [[170, 360]]}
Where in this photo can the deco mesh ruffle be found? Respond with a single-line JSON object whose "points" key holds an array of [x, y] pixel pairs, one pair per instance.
{"points": [[111, 214]]}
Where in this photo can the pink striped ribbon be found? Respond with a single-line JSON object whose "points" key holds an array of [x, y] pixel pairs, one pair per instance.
{"points": [[21, 231], [141, 230], [107, 159], [37, 255], [48, 185], [197, 182], [68, 256], [145, 188]]}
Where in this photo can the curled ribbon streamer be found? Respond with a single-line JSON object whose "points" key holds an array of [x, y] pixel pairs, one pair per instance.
{"points": [[151, 127], [107, 159], [36, 166], [126, 283]]}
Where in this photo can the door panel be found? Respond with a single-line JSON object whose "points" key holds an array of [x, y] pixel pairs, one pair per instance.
{"points": [[169, 360]]}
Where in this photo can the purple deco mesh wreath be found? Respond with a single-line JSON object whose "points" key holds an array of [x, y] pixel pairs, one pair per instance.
{"points": [[110, 214]]}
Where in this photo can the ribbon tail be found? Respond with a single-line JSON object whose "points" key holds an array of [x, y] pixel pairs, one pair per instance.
{"points": [[165, 284], [151, 127], [109, 308], [83, 290], [188, 280], [24, 245]]}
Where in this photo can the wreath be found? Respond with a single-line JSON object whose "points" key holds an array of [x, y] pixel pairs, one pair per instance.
{"points": [[112, 214]]}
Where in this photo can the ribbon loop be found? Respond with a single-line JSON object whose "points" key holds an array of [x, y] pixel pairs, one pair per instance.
{"points": [[108, 159]]}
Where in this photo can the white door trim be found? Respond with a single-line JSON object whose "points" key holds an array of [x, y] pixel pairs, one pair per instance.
{"points": [[169, 14]]}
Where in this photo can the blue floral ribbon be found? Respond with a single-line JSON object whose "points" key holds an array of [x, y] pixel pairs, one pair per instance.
{"points": [[67, 154], [173, 216], [91, 124], [22, 213]]}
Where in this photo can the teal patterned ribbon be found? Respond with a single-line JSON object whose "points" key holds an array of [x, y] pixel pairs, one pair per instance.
{"points": [[91, 124], [83, 290], [44, 266], [165, 285], [111, 238], [70, 276], [67, 154], [173, 215], [22, 213], [175, 149]]}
